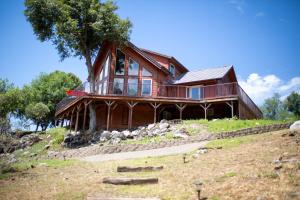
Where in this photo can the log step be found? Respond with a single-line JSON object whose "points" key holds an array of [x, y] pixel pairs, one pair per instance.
{"points": [[130, 181], [119, 198], [139, 169]]}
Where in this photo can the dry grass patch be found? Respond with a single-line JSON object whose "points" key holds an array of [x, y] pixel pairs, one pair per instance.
{"points": [[243, 171]]}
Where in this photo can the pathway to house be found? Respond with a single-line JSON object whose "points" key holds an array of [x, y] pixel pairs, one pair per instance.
{"points": [[146, 153]]}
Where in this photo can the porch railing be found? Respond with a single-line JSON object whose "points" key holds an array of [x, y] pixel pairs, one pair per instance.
{"points": [[224, 90]]}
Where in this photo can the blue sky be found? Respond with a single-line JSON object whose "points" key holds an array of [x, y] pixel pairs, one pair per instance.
{"points": [[260, 38]]}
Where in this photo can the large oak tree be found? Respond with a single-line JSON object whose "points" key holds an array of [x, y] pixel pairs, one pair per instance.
{"points": [[78, 28]]}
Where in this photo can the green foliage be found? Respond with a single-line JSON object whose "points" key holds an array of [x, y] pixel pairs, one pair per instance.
{"points": [[292, 103], [272, 107], [5, 85], [77, 27], [37, 113], [57, 134]]}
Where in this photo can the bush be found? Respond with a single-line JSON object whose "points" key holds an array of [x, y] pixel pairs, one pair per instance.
{"points": [[57, 134]]}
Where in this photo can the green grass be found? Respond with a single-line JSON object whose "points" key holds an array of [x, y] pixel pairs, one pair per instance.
{"points": [[149, 140], [230, 142], [232, 124], [57, 134]]}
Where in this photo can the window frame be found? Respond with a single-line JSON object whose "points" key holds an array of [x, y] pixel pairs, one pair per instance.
{"points": [[137, 86], [128, 70], [117, 49], [174, 72], [121, 87], [189, 91], [142, 91]]}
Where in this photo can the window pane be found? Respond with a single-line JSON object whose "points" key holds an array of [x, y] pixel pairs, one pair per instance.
{"points": [[146, 87], [104, 88], [120, 63], [133, 68], [132, 87], [145, 72], [100, 88], [195, 93], [106, 67], [118, 85], [172, 69]]}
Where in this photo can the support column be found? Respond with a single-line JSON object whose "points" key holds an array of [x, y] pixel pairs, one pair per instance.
{"points": [[77, 116], [205, 107], [180, 107], [86, 103], [155, 105], [62, 122], [109, 104], [71, 121], [130, 105], [231, 106]]}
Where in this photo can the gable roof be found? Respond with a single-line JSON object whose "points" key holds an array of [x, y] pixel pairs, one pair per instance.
{"points": [[171, 58], [204, 74], [147, 57]]}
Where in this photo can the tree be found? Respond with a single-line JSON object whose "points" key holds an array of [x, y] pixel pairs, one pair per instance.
{"points": [[78, 28], [272, 107], [5, 85], [38, 114], [50, 89], [292, 103]]}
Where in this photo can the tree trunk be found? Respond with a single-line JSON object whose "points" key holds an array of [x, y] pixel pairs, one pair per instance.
{"points": [[91, 79], [37, 127]]}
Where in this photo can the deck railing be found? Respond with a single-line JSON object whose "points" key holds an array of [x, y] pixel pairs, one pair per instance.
{"points": [[208, 92]]}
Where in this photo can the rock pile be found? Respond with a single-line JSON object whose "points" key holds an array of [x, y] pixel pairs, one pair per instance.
{"points": [[114, 137]]}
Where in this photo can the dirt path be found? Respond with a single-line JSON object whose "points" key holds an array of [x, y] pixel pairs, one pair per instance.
{"points": [[146, 153]]}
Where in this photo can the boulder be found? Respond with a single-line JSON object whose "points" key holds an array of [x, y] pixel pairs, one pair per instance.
{"points": [[164, 125], [179, 135], [29, 140], [127, 133], [117, 134], [295, 125], [106, 134], [163, 121], [150, 126]]}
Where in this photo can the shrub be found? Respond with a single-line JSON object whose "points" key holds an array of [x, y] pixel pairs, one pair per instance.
{"points": [[57, 134]]}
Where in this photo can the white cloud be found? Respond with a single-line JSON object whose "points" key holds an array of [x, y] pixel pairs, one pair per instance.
{"points": [[260, 14], [239, 5], [260, 88]]}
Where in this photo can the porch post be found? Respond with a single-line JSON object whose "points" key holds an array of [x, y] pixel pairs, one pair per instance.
{"points": [[205, 107], [71, 121], [155, 106], [130, 105], [77, 117], [180, 107], [62, 122], [86, 103], [109, 104], [231, 106]]}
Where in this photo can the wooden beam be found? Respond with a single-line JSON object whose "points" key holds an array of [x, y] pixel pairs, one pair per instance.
{"points": [[71, 121], [109, 104], [205, 107], [139, 169], [155, 105], [77, 116], [130, 181], [231, 106], [86, 103], [181, 107], [131, 105]]}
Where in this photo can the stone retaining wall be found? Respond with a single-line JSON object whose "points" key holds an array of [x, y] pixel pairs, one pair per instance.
{"points": [[109, 149]]}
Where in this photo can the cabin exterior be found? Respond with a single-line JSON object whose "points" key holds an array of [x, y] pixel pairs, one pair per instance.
{"points": [[136, 87]]}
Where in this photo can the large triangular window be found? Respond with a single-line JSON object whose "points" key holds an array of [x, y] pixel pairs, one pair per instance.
{"points": [[145, 72]]}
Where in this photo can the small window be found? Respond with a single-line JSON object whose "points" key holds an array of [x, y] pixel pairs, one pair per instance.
{"points": [[106, 67], [195, 92], [146, 87], [120, 63], [172, 69], [132, 87], [145, 72], [118, 85], [133, 69]]}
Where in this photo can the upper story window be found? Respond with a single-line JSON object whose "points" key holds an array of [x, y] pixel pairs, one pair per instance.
{"points": [[133, 69], [120, 63], [195, 92], [172, 69], [146, 87], [145, 72]]}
